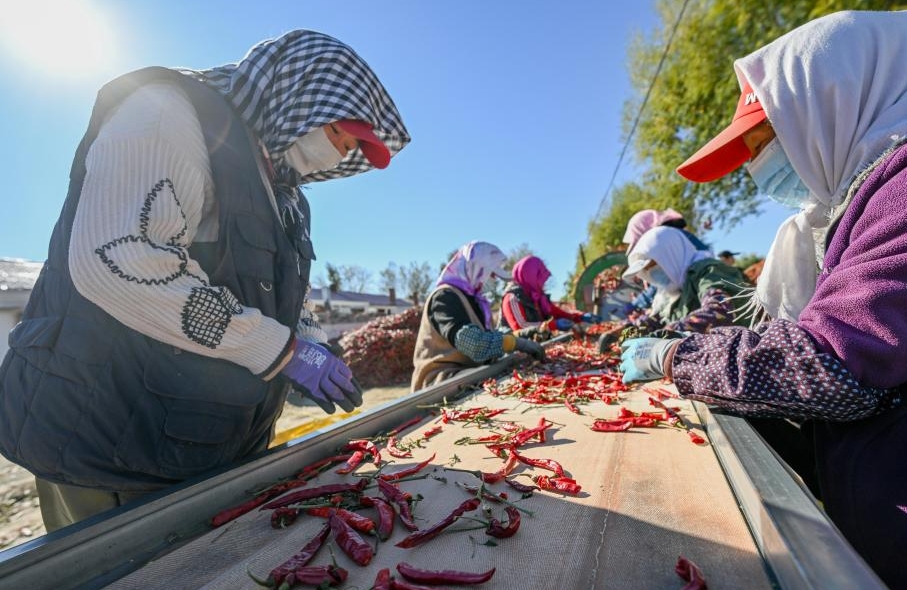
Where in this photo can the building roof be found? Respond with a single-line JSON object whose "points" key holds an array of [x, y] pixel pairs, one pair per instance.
{"points": [[367, 298], [17, 274]]}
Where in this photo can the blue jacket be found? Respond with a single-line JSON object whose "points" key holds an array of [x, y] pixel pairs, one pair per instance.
{"points": [[85, 400]]}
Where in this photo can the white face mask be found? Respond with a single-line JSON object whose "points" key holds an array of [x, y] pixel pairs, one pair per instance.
{"points": [[312, 152], [658, 277]]}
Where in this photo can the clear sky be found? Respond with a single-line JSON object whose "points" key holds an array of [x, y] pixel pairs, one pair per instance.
{"points": [[514, 107]]}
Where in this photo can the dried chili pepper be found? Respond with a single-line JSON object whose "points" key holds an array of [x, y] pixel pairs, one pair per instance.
{"points": [[419, 537], [299, 559], [689, 572], [382, 580], [503, 472], [611, 425], [486, 495], [317, 466], [557, 484], [549, 464], [520, 487], [432, 431], [352, 463], [273, 491], [415, 574], [397, 497], [366, 446], [407, 471], [326, 490], [695, 438], [316, 575], [412, 421], [350, 541], [395, 451], [363, 524], [283, 517], [501, 531], [386, 515]]}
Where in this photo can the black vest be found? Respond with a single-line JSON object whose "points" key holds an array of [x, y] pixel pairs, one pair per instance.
{"points": [[85, 400], [533, 314]]}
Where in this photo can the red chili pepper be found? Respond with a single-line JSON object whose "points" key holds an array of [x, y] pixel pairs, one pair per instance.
{"points": [[503, 472], [352, 463], [299, 559], [500, 531], [326, 490], [397, 497], [405, 425], [486, 495], [415, 574], [549, 464], [316, 575], [394, 451], [521, 487], [225, 516], [696, 438], [382, 580], [419, 537], [432, 431], [557, 484], [283, 517], [408, 471], [689, 572], [317, 465], [611, 425], [350, 541], [363, 524], [386, 515], [366, 446]]}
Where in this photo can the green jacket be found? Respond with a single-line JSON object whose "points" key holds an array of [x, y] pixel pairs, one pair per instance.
{"points": [[708, 274]]}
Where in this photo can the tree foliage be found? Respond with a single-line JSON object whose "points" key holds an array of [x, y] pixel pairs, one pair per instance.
{"points": [[417, 278], [693, 98]]}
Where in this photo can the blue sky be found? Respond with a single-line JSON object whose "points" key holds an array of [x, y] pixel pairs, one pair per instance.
{"points": [[514, 107]]}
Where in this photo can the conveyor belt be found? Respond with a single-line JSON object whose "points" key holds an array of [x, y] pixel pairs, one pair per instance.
{"points": [[648, 496]]}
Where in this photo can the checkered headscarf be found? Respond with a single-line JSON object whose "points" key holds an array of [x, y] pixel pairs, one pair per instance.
{"points": [[285, 87]]}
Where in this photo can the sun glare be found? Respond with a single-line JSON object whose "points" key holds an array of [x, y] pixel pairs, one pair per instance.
{"points": [[67, 38]]}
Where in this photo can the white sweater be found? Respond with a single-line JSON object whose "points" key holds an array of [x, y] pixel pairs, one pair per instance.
{"points": [[148, 195]]}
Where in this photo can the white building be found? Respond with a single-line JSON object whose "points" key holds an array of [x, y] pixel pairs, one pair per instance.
{"points": [[17, 277], [348, 303]]}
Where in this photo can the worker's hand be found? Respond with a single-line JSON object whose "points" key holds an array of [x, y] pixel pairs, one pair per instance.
{"points": [[534, 349], [591, 318], [321, 376], [643, 359], [533, 332], [563, 324]]}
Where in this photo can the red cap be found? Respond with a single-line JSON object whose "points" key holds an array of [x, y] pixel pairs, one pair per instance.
{"points": [[372, 148], [726, 151]]}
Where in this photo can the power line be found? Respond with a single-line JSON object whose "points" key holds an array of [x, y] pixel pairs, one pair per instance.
{"points": [[642, 107]]}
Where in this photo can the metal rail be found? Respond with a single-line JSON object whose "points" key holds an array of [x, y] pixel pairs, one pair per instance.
{"points": [[106, 547], [801, 547]]}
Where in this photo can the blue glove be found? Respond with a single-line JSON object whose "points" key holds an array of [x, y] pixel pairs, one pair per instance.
{"points": [[591, 318], [643, 359], [322, 377], [563, 324], [628, 308]]}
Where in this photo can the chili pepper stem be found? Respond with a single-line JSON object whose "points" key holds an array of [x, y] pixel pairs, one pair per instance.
{"points": [[256, 580], [410, 478]]}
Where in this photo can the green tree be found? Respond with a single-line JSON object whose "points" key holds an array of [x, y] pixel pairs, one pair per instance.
{"points": [[692, 98]]}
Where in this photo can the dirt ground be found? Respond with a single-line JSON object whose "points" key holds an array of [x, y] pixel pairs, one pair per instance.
{"points": [[20, 515]]}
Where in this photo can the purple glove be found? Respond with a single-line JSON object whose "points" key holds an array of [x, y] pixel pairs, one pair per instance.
{"points": [[321, 376]]}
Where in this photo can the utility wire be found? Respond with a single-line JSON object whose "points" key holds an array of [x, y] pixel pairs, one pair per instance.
{"points": [[620, 159]]}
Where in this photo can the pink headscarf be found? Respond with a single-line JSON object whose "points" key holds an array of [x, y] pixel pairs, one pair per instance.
{"points": [[644, 220], [530, 273]]}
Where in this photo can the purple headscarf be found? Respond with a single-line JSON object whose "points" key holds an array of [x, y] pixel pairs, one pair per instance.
{"points": [[472, 266], [530, 273]]}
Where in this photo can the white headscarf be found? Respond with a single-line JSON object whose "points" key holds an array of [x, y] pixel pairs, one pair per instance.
{"points": [[474, 265], [835, 92], [670, 249]]}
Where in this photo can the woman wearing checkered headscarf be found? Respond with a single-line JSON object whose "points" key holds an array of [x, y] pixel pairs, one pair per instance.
{"points": [[179, 267]]}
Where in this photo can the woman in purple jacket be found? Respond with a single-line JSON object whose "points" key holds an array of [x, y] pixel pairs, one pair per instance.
{"points": [[822, 121]]}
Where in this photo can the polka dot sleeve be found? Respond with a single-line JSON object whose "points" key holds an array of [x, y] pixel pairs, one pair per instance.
{"points": [[776, 371]]}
